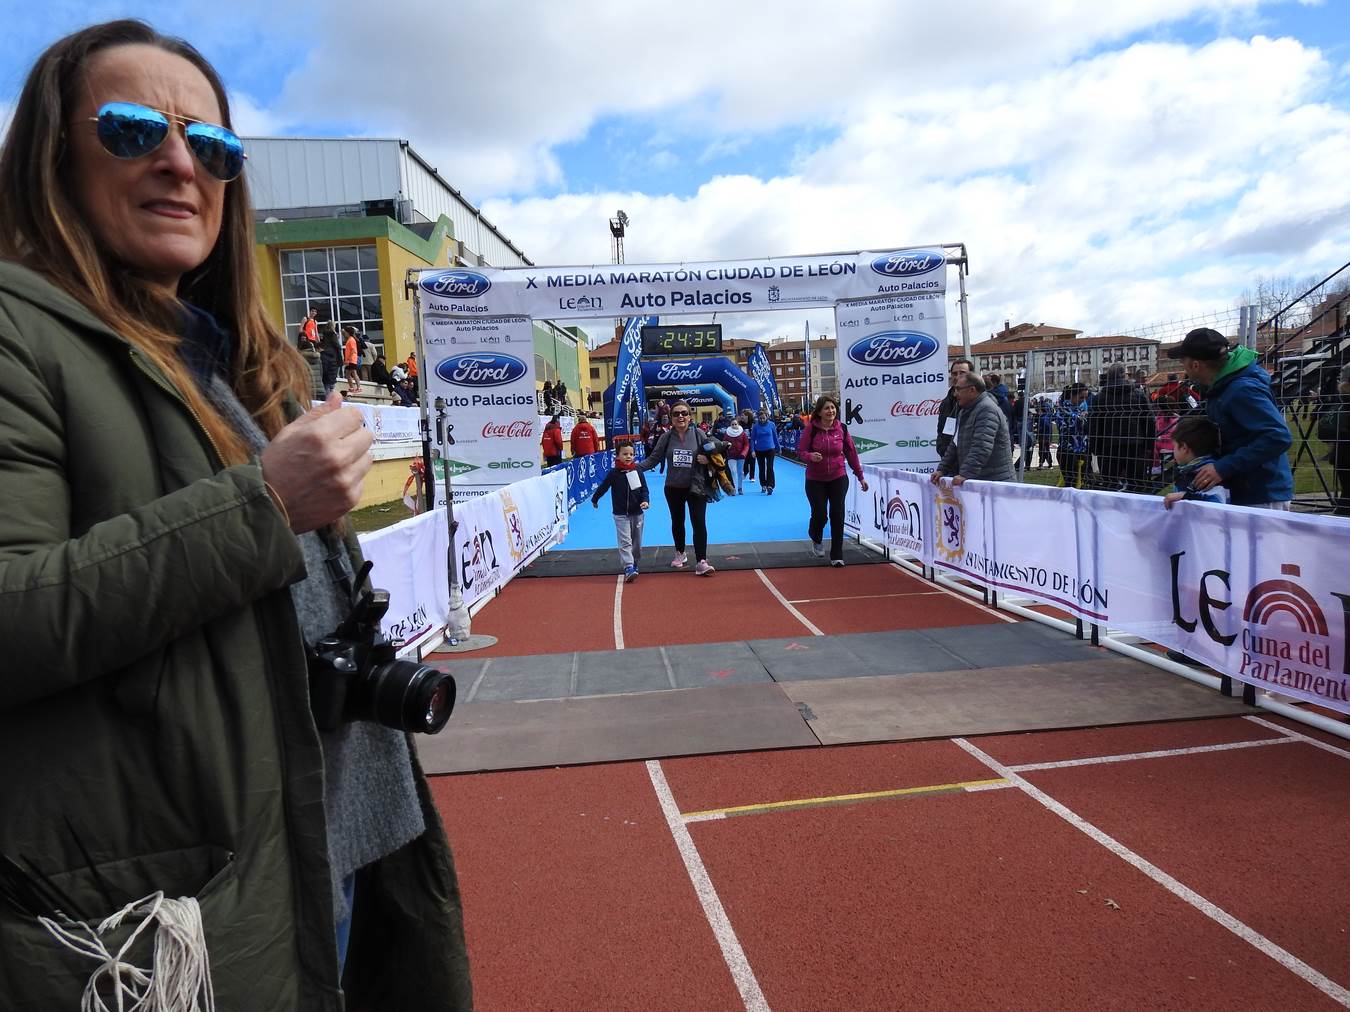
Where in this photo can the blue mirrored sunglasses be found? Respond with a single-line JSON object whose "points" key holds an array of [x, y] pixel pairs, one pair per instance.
{"points": [[127, 130]]}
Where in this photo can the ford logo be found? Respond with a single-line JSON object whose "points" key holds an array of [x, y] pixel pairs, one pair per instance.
{"points": [[894, 347], [908, 263], [456, 284], [481, 370]]}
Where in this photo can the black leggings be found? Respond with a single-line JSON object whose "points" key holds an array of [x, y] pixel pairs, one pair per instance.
{"points": [[750, 465], [765, 468], [676, 499], [832, 493]]}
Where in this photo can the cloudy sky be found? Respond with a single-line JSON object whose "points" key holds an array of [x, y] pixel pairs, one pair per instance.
{"points": [[1110, 167]]}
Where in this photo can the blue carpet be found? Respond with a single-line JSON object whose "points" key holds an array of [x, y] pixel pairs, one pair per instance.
{"points": [[750, 517]]}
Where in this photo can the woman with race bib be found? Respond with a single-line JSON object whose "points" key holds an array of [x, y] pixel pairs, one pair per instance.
{"points": [[684, 449]]}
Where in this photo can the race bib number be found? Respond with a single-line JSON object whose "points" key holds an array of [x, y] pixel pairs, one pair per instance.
{"points": [[682, 458], [949, 426]]}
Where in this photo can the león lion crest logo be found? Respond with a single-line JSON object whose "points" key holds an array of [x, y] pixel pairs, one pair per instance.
{"points": [[515, 533], [950, 524]]}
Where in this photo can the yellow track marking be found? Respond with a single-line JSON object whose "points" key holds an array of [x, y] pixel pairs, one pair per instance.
{"points": [[842, 799]]}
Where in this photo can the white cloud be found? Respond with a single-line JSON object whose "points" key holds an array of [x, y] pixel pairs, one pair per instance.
{"points": [[1098, 184]]}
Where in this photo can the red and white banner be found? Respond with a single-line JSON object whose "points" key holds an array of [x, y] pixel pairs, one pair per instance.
{"points": [[1259, 595], [499, 534]]}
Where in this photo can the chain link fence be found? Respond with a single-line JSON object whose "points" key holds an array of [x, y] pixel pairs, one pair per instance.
{"points": [[1118, 436]]}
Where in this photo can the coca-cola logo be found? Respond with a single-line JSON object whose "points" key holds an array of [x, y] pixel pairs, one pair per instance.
{"points": [[508, 430], [928, 407]]}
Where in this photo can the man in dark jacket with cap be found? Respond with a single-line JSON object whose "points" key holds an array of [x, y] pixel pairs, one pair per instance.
{"points": [[1253, 460], [946, 430]]}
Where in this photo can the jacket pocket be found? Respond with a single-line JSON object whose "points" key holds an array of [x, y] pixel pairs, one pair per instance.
{"points": [[38, 973]]}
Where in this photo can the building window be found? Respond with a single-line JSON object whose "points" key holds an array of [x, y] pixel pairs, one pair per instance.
{"points": [[595, 372], [342, 282]]}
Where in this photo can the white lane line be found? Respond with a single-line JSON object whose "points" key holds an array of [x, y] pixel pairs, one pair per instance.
{"points": [[1183, 892], [670, 671], [478, 681], [1160, 754], [704, 817], [788, 604], [618, 613], [865, 597], [1299, 736], [961, 597], [732, 952]]}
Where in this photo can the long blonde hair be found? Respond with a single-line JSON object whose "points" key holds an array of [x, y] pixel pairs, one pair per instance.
{"points": [[41, 227]]}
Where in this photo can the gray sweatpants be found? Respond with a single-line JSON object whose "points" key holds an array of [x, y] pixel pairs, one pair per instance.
{"points": [[629, 532]]}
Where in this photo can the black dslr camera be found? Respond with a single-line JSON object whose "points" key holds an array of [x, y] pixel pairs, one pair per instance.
{"points": [[355, 675]]}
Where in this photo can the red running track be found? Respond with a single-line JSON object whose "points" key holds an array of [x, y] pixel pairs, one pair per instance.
{"points": [[561, 615], [576, 896]]}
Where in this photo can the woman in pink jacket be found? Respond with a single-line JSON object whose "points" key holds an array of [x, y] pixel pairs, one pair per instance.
{"points": [[827, 450]]}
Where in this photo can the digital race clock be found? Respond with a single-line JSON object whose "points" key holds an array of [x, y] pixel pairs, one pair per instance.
{"points": [[682, 339]]}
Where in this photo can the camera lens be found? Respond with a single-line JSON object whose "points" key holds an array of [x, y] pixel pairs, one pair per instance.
{"points": [[407, 696]]}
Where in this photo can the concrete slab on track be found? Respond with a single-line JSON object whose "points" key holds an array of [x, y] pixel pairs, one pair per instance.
{"points": [[644, 725], [725, 557], [998, 700]]}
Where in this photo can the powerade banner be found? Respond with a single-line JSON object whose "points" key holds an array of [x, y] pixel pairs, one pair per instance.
{"points": [[485, 371], [892, 356], [758, 362], [566, 293], [629, 394], [1258, 595]]}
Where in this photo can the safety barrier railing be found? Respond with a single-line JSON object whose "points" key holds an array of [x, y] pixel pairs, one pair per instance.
{"points": [[1260, 597]]}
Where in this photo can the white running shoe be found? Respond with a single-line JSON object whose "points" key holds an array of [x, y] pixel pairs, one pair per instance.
{"points": [[679, 561], [837, 562], [704, 568], [817, 549]]}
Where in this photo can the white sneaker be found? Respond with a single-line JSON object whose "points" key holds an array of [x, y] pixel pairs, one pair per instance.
{"points": [[679, 561], [704, 569], [837, 562], [817, 549]]}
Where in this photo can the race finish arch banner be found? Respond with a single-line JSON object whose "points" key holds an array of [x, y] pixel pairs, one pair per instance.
{"points": [[478, 347], [484, 369]]}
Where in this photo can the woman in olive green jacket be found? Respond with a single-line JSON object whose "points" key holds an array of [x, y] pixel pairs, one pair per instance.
{"points": [[157, 496]]}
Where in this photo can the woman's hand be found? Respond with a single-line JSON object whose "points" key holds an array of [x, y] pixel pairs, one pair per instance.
{"points": [[815, 455], [862, 484], [701, 459], [645, 505], [316, 465]]}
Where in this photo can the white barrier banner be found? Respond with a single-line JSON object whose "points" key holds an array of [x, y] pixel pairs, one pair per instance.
{"points": [[502, 532], [499, 535], [388, 423], [485, 371], [409, 562], [1259, 595], [564, 293], [892, 356], [895, 512], [1028, 539]]}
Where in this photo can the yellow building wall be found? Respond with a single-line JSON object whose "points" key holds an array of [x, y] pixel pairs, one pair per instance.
{"points": [[267, 262], [394, 263]]}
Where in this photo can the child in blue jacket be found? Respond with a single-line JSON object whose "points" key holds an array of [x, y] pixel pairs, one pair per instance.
{"points": [[1195, 443], [629, 496]]}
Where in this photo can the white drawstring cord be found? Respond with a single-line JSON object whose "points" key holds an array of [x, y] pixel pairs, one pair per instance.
{"points": [[180, 978]]}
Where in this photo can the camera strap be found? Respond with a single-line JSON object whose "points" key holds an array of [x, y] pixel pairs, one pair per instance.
{"points": [[338, 572]]}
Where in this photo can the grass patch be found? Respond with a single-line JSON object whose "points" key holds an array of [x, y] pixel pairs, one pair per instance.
{"points": [[379, 516]]}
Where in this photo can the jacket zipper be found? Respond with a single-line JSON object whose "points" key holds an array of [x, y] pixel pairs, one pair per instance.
{"points": [[160, 382]]}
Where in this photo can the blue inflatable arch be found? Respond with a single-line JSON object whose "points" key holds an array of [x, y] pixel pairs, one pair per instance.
{"points": [[720, 372]]}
